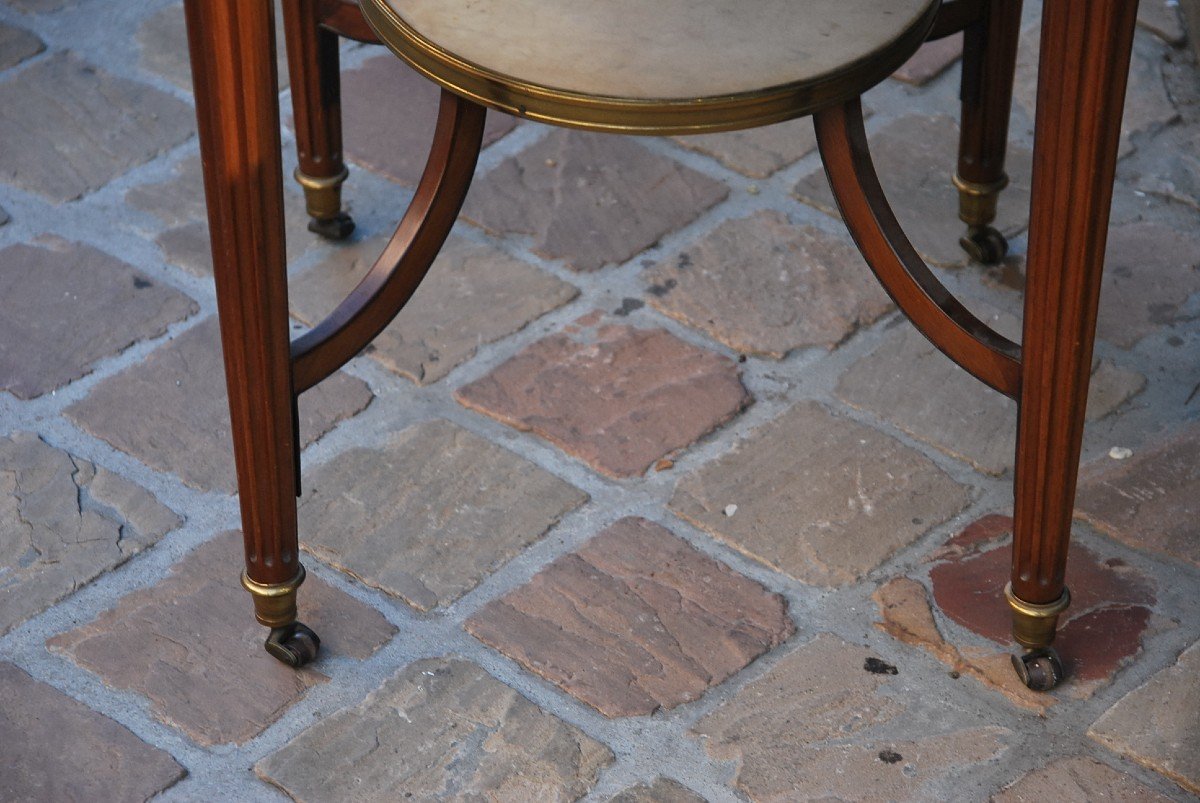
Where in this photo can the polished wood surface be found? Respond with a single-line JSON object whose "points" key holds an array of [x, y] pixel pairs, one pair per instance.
{"points": [[1084, 66], [314, 68], [989, 60], [237, 110], [939, 316], [407, 257]]}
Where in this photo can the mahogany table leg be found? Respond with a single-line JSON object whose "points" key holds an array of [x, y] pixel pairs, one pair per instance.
{"points": [[1085, 52], [314, 68], [989, 58], [237, 109]]}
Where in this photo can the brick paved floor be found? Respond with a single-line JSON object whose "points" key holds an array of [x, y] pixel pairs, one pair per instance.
{"points": [[646, 497]]}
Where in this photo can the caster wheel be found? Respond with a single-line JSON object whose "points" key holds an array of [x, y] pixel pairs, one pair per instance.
{"points": [[295, 645], [1039, 670], [334, 228], [984, 244]]}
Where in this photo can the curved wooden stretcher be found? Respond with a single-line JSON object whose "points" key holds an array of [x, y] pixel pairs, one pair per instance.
{"points": [[668, 67]]}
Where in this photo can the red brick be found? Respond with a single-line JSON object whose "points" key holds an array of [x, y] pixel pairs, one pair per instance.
{"points": [[634, 620], [617, 397]]}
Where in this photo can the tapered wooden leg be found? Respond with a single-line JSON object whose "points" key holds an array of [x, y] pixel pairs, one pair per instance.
{"points": [[1085, 52], [314, 69], [237, 109], [989, 58]]}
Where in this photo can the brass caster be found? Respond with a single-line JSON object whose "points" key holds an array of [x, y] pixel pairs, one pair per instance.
{"points": [[1040, 669], [338, 227], [295, 644], [984, 244]]}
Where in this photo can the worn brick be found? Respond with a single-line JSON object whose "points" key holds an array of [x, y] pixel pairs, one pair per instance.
{"points": [[617, 397], [182, 642], [41, 6], [1150, 500], [17, 44], [796, 286], [162, 38], [817, 496], [1077, 780], [109, 304], [906, 614], [179, 203], [635, 620], [473, 295], [931, 60], [441, 729], [1173, 171], [389, 111], [1110, 613], [64, 522], [757, 152], [171, 410], [590, 199], [104, 126], [56, 748], [915, 158], [660, 790], [1149, 272], [1161, 18], [812, 728], [1156, 724], [464, 508], [911, 384]]}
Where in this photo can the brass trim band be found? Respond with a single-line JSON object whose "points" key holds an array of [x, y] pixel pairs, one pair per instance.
{"points": [[977, 201], [1035, 625], [322, 194], [274, 603]]}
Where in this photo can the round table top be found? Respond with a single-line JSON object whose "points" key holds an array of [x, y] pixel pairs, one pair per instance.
{"points": [[654, 66]]}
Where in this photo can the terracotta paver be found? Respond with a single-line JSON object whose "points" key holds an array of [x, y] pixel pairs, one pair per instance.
{"points": [[757, 152], [965, 418], [795, 286], [105, 125], [634, 620], [809, 729], [17, 44], [182, 642], [63, 522], [440, 729], [819, 497], [661, 790], [617, 397], [1111, 602], [1156, 724], [388, 113], [1148, 501], [915, 157], [172, 413], [110, 306], [589, 199], [56, 748], [1077, 780], [430, 512], [931, 60], [472, 295]]}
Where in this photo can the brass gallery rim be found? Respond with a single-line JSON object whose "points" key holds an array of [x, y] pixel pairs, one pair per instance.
{"points": [[648, 116]]}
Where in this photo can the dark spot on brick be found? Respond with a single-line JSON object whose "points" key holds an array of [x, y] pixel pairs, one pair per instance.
{"points": [[685, 260], [741, 358], [1174, 340], [628, 305], [369, 349], [141, 284], [955, 675], [878, 667], [661, 290], [890, 756]]}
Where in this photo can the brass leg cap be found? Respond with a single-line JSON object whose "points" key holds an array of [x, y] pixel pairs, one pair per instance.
{"points": [[274, 603], [976, 201], [1034, 625], [323, 200]]}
